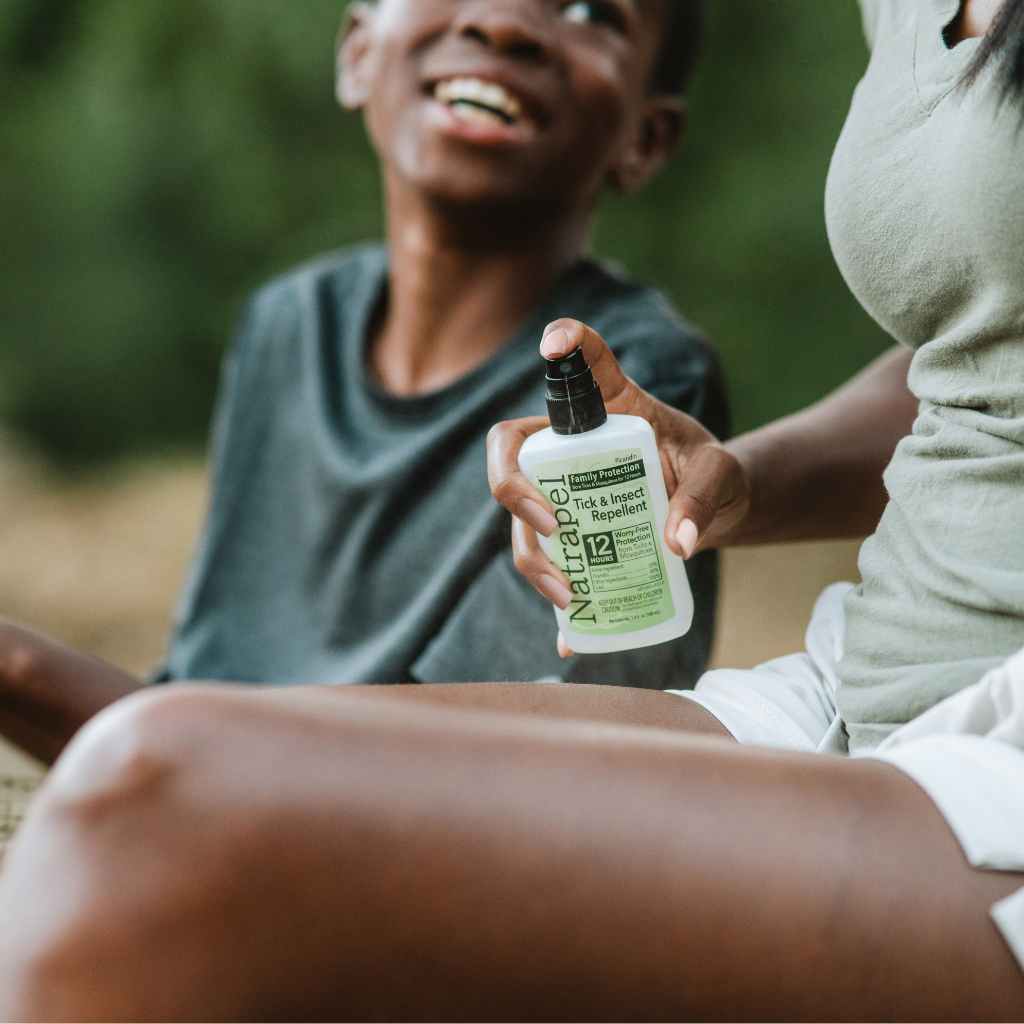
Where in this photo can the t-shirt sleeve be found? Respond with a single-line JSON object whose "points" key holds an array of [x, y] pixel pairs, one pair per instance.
{"points": [[517, 644], [870, 14]]}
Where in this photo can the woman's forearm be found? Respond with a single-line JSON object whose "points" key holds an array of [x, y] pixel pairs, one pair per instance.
{"points": [[49, 691], [814, 475], [818, 474]]}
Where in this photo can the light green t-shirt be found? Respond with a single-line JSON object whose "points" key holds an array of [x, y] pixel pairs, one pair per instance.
{"points": [[926, 218]]}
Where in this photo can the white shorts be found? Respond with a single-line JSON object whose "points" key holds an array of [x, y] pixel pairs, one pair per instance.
{"points": [[967, 753]]}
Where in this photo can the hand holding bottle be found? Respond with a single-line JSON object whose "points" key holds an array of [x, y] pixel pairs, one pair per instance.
{"points": [[708, 487]]}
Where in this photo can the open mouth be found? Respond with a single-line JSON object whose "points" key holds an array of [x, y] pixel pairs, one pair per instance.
{"points": [[475, 100]]}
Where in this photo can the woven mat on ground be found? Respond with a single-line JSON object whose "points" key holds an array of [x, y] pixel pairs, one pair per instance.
{"points": [[15, 793], [19, 779]]}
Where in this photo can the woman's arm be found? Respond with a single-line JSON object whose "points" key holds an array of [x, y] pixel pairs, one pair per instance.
{"points": [[818, 474], [49, 691], [813, 475], [308, 855]]}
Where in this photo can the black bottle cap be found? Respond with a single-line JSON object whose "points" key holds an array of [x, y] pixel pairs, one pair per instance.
{"points": [[575, 405]]}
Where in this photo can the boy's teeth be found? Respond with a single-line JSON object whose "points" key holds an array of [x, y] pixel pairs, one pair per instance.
{"points": [[473, 93], [470, 113]]}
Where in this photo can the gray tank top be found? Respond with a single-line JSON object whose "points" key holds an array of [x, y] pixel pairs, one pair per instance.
{"points": [[925, 212]]}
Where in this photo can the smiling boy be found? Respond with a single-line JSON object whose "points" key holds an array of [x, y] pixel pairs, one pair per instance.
{"points": [[351, 535]]}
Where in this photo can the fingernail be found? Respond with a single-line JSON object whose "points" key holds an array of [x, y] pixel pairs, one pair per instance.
{"points": [[687, 536], [564, 650], [555, 590], [556, 344], [537, 516]]}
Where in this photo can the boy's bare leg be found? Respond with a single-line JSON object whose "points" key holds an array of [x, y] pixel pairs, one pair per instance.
{"points": [[48, 691], [217, 854]]}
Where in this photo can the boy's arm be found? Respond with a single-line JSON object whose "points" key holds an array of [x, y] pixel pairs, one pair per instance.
{"points": [[49, 691]]}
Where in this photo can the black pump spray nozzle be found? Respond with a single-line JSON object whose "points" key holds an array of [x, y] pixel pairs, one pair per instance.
{"points": [[575, 405]]}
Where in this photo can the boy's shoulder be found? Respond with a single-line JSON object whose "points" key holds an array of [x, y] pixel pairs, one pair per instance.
{"points": [[648, 334], [632, 316], [656, 345], [322, 300]]}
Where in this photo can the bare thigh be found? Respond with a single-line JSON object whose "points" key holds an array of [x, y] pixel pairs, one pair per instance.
{"points": [[214, 854]]}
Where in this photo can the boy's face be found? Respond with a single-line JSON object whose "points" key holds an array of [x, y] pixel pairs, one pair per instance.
{"points": [[506, 101]]}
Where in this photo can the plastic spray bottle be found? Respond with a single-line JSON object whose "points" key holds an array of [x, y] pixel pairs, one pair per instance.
{"points": [[603, 476]]}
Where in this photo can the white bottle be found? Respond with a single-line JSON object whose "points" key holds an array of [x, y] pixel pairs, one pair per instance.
{"points": [[602, 474]]}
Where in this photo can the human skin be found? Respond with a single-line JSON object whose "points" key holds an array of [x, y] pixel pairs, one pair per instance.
{"points": [[817, 474], [48, 691], [480, 222], [975, 18], [215, 854], [800, 478], [352, 854], [796, 479], [814, 475], [482, 219]]}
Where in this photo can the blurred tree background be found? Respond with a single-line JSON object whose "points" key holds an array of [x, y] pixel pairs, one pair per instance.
{"points": [[161, 159]]}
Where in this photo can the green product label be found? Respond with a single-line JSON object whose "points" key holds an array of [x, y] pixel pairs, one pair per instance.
{"points": [[607, 543]]}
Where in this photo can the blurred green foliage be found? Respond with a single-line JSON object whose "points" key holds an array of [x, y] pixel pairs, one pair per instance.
{"points": [[161, 159]]}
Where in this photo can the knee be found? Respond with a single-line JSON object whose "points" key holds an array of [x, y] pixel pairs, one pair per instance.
{"points": [[126, 762], [97, 871], [127, 773], [131, 750]]}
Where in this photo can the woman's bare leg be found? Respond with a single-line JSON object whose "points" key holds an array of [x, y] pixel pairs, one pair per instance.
{"points": [[214, 854]]}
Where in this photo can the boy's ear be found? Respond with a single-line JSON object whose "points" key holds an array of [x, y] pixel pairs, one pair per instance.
{"points": [[659, 133], [353, 51]]}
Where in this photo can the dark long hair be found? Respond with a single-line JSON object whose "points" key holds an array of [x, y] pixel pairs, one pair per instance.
{"points": [[1003, 46]]}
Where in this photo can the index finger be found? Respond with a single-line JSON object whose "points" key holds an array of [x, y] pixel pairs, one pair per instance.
{"points": [[508, 483], [564, 336]]}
